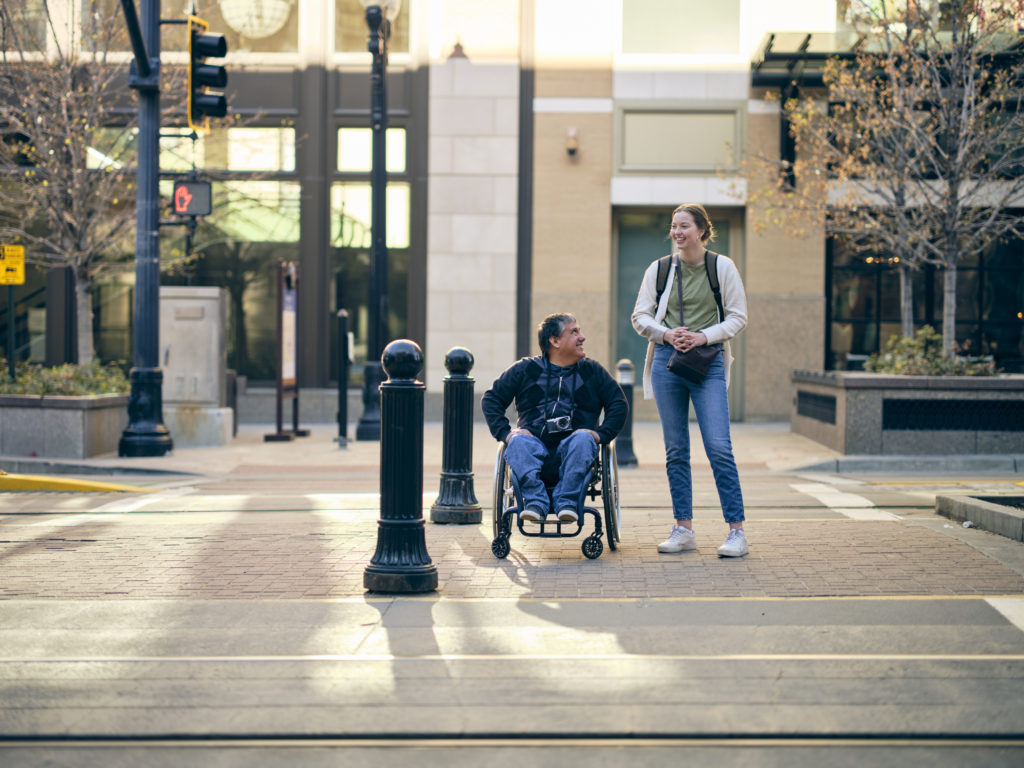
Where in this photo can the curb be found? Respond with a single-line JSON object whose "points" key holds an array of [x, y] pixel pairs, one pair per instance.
{"points": [[927, 465], [987, 515], [9, 482], [51, 467]]}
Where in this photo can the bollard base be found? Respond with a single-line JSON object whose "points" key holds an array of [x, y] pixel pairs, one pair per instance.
{"points": [[456, 514], [377, 579]]}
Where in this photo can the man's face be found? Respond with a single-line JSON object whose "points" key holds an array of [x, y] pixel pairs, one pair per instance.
{"points": [[569, 346]]}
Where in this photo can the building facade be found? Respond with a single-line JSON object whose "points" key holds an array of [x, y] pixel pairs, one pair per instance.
{"points": [[536, 150]]}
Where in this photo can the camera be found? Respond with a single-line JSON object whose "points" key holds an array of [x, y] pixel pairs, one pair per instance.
{"points": [[558, 424]]}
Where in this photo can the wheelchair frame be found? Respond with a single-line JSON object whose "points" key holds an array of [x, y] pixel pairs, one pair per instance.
{"points": [[604, 482]]}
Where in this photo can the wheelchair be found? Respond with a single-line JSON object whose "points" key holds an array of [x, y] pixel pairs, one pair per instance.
{"points": [[603, 482]]}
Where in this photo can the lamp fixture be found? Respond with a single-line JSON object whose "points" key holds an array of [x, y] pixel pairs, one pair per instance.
{"points": [[256, 19], [390, 8], [572, 142]]}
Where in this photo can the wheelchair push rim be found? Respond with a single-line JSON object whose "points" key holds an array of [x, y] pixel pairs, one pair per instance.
{"points": [[610, 494], [504, 496]]}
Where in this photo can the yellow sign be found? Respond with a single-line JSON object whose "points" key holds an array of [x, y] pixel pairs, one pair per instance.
{"points": [[12, 265]]}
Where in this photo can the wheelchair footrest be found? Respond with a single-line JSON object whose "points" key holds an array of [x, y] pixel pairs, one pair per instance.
{"points": [[558, 530]]}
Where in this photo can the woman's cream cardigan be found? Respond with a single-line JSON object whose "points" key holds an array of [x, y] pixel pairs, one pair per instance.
{"points": [[649, 313]]}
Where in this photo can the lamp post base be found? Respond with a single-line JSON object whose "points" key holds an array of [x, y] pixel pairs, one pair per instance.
{"points": [[145, 434], [405, 579], [368, 427]]}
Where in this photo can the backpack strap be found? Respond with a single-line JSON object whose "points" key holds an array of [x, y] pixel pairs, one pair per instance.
{"points": [[711, 268], [663, 265]]}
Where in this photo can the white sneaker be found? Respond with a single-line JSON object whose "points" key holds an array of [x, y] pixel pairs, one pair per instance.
{"points": [[680, 540], [735, 545], [532, 515], [568, 516]]}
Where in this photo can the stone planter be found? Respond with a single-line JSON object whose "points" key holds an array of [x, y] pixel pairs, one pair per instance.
{"points": [[61, 427], [877, 414]]}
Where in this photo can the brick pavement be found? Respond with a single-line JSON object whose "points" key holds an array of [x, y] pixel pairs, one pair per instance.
{"points": [[280, 521], [322, 554]]}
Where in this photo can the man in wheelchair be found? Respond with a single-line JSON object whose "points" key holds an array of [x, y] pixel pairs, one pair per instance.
{"points": [[559, 396]]}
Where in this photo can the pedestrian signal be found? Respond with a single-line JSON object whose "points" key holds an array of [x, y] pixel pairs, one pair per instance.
{"points": [[192, 198]]}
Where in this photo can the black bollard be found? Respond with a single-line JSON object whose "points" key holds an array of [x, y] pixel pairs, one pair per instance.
{"points": [[624, 442], [342, 438], [456, 502], [401, 562]]}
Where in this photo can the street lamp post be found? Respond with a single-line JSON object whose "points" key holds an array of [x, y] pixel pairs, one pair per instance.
{"points": [[379, 16], [146, 434]]}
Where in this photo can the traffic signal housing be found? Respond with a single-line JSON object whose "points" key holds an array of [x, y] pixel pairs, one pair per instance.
{"points": [[202, 102]]}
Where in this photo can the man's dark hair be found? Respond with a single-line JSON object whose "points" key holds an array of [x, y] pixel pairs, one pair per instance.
{"points": [[552, 325]]}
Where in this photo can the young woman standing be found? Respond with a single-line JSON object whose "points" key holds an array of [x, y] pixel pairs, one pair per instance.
{"points": [[656, 318]]}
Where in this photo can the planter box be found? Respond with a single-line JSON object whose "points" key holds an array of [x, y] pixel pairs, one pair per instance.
{"points": [[879, 414], [61, 427]]}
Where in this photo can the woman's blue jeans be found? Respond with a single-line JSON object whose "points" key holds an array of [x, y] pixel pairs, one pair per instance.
{"points": [[673, 394], [526, 454]]}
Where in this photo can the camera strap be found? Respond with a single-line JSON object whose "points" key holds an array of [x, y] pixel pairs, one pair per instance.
{"points": [[558, 395]]}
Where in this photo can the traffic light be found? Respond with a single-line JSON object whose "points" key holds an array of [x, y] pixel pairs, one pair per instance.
{"points": [[192, 198], [202, 102]]}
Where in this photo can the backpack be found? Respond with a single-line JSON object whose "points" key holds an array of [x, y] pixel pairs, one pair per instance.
{"points": [[710, 269]]}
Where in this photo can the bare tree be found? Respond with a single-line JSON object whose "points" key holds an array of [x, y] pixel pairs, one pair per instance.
{"points": [[68, 119], [917, 148]]}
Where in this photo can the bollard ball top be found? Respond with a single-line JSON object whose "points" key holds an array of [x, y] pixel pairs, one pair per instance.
{"points": [[402, 359], [458, 361]]}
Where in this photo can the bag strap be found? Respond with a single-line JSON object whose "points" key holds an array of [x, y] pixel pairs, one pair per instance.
{"points": [[679, 290]]}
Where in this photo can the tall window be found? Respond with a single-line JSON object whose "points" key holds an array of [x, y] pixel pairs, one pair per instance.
{"points": [[681, 27], [351, 203], [268, 26]]}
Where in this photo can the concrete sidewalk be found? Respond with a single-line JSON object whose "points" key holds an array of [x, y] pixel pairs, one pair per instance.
{"points": [[221, 618]]}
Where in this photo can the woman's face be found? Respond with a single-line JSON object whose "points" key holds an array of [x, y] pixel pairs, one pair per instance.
{"points": [[684, 231]]}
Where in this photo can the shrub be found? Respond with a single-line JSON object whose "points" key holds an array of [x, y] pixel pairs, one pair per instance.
{"points": [[68, 379], [921, 355]]}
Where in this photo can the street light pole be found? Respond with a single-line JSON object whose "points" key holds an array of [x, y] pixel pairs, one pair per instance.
{"points": [[378, 20], [146, 434]]}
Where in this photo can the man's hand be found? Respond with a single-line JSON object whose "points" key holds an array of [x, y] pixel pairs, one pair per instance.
{"points": [[515, 432]]}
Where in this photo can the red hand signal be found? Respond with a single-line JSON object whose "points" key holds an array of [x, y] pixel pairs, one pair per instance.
{"points": [[182, 198]]}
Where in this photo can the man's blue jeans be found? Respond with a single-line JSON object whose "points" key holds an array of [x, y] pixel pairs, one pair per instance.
{"points": [[526, 454], [673, 394]]}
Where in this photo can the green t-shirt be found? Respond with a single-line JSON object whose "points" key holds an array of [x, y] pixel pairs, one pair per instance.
{"points": [[699, 308]]}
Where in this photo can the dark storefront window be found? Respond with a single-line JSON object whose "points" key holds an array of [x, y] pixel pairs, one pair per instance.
{"points": [[864, 303]]}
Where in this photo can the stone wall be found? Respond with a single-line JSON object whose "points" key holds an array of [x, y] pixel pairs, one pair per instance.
{"points": [[875, 414]]}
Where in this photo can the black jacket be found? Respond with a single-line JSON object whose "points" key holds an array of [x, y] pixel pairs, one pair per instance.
{"points": [[588, 387]]}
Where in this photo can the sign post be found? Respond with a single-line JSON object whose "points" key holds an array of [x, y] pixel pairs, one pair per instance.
{"points": [[12, 273], [287, 348]]}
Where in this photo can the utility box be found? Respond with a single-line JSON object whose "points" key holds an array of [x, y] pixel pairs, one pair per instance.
{"points": [[193, 358]]}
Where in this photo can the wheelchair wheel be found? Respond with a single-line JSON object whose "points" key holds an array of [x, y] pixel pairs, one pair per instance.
{"points": [[500, 547], [592, 547], [610, 493], [504, 496]]}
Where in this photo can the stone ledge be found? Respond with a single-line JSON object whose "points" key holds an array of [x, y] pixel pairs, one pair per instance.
{"points": [[995, 518], [76, 402], [860, 380]]}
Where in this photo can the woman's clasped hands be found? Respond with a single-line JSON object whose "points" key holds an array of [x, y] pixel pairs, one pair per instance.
{"points": [[683, 339]]}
